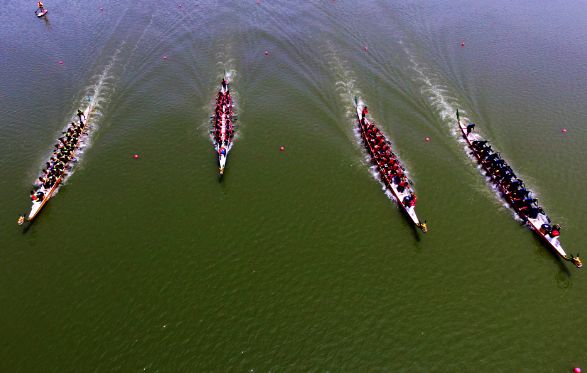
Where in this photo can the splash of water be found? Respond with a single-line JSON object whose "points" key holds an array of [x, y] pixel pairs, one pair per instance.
{"points": [[347, 89], [437, 94], [95, 98], [446, 107]]}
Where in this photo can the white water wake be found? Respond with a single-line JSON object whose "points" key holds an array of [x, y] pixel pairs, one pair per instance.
{"points": [[446, 105], [95, 97], [346, 86], [437, 94]]}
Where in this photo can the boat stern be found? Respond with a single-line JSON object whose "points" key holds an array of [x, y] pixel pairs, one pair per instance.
{"points": [[221, 164], [34, 210]]}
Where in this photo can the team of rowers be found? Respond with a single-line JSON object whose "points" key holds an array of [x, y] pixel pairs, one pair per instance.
{"points": [[390, 169], [223, 124], [58, 163], [510, 185]]}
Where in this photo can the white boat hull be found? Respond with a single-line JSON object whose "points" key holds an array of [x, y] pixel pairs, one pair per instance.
{"points": [[37, 206], [398, 196], [534, 224]]}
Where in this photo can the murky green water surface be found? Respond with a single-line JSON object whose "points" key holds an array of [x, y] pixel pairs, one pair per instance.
{"points": [[296, 261]]}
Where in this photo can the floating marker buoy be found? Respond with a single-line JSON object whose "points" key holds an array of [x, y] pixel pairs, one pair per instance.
{"points": [[564, 130], [101, 9], [462, 44], [180, 5], [165, 58], [282, 148], [136, 156], [577, 370], [427, 139], [258, 2], [266, 53], [366, 48], [61, 62]]}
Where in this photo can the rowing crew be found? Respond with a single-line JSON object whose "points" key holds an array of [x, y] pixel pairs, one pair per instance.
{"points": [[511, 186], [223, 133], [62, 155], [389, 166]]}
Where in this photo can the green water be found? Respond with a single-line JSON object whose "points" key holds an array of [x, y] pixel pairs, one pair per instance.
{"points": [[296, 260]]}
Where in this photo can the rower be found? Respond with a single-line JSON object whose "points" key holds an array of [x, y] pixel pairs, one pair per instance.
{"points": [[40, 5], [506, 177], [533, 212], [410, 200], [402, 186], [80, 114], [493, 157], [555, 232], [521, 193], [470, 127], [364, 112], [515, 185], [224, 84], [485, 151], [479, 143], [407, 200]]}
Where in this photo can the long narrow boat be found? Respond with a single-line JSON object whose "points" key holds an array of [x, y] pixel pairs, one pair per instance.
{"points": [[388, 165], [48, 193], [536, 223], [223, 124]]}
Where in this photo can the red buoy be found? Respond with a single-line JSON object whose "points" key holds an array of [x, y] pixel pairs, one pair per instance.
{"points": [[165, 58], [462, 44], [282, 148], [577, 370], [136, 156], [266, 53], [427, 139], [61, 62], [366, 48], [564, 130]]}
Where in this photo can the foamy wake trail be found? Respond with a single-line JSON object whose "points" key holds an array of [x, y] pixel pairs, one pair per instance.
{"points": [[446, 106], [347, 89], [345, 81], [96, 97], [437, 94]]}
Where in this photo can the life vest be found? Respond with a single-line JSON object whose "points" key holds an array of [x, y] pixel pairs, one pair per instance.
{"points": [[222, 151]]}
